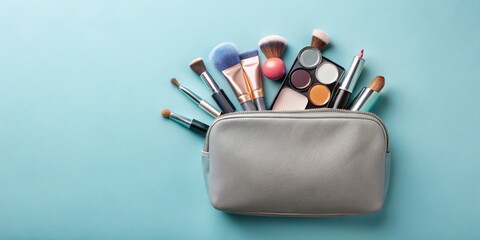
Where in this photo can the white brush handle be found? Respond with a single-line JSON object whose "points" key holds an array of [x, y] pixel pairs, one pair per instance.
{"points": [[209, 108]]}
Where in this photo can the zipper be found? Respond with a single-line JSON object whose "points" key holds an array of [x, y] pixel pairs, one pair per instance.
{"points": [[223, 116]]}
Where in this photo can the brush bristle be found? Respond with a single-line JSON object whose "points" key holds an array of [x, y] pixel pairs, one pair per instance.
{"points": [[224, 56], [377, 83], [166, 113], [248, 54], [273, 46], [320, 39], [198, 66], [175, 82]]}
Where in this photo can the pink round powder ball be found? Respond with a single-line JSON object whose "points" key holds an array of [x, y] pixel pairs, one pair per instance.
{"points": [[273, 68]]}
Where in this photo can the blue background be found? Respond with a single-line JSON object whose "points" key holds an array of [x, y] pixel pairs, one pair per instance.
{"points": [[84, 153]]}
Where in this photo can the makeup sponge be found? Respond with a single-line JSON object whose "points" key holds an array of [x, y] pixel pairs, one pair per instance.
{"points": [[273, 68]]}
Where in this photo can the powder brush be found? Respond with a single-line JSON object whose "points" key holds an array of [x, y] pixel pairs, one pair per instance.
{"points": [[273, 47], [226, 59]]}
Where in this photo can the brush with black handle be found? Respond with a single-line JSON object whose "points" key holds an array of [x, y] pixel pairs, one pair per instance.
{"points": [[191, 124], [198, 66]]}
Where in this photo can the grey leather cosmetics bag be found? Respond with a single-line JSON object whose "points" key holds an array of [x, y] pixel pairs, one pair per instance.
{"points": [[321, 162]]}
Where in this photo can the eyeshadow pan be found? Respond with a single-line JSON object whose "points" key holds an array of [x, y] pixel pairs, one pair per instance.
{"points": [[319, 95], [289, 99], [300, 79], [327, 73], [310, 57]]}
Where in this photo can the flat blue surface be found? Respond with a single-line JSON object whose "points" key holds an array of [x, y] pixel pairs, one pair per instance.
{"points": [[84, 153]]}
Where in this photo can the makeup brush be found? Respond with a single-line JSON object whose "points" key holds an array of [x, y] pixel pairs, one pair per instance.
{"points": [[207, 107], [368, 96], [191, 124], [273, 47], [377, 84], [251, 66], [320, 39], [225, 58], [198, 66]]}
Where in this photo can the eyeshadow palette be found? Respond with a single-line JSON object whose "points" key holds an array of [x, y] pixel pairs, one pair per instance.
{"points": [[311, 82]]}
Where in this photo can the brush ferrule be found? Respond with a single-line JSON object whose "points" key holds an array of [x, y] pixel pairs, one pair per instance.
{"points": [[353, 73], [190, 94], [208, 80], [251, 67], [180, 119], [365, 100], [238, 83]]}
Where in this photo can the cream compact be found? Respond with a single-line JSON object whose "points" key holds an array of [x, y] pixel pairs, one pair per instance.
{"points": [[311, 82]]}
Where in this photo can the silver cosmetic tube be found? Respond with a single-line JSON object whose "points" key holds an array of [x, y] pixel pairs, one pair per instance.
{"points": [[353, 73]]}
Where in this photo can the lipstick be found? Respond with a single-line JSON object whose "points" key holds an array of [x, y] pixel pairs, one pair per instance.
{"points": [[368, 96], [343, 93]]}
